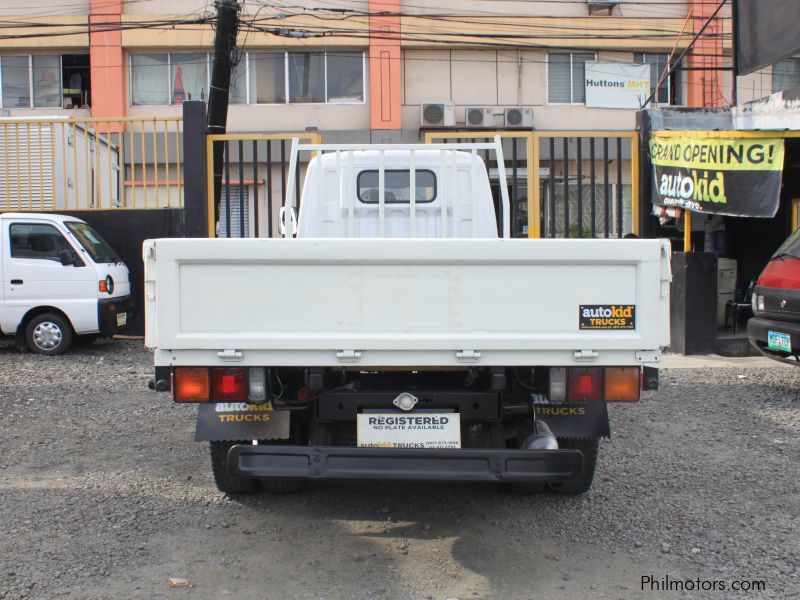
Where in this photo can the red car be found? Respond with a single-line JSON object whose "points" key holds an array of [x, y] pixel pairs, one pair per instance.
{"points": [[775, 328]]}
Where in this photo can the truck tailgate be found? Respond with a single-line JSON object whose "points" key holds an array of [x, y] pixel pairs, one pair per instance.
{"points": [[405, 302]]}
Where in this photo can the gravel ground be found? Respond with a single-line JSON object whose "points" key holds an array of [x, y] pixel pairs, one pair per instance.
{"points": [[103, 494]]}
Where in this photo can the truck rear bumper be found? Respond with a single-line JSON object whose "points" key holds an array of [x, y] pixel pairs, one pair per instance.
{"points": [[347, 462]]}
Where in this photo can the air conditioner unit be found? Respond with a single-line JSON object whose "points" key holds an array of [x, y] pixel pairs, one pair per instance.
{"points": [[595, 5], [518, 117], [437, 114], [479, 116]]}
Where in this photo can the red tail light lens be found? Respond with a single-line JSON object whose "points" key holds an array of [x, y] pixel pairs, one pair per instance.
{"points": [[191, 384], [230, 384], [585, 384]]}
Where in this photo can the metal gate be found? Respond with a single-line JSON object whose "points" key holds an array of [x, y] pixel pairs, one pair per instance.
{"points": [[587, 183], [566, 183], [254, 184]]}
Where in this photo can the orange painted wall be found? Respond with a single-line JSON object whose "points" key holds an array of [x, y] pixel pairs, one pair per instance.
{"points": [[384, 65], [704, 87], [107, 60]]}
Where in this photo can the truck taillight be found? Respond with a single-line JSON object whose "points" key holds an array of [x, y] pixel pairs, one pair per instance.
{"points": [[622, 384], [191, 384], [584, 384], [230, 384]]}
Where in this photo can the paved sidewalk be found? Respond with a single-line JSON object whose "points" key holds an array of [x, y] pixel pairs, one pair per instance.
{"points": [[679, 361]]}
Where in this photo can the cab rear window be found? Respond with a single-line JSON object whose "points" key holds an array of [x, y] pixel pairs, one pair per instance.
{"points": [[397, 186]]}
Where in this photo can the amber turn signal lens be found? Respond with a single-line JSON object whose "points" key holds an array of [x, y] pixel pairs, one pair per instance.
{"points": [[191, 384], [622, 384], [103, 285]]}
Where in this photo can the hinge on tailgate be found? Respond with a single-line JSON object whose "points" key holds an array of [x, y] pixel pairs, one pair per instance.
{"points": [[348, 355], [230, 355], [585, 355], [468, 355], [648, 356]]}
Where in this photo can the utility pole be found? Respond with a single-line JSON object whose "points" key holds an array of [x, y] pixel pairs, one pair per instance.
{"points": [[224, 55]]}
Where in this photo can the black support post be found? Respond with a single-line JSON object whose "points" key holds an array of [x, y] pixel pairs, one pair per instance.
{"points": [[195, 190]]}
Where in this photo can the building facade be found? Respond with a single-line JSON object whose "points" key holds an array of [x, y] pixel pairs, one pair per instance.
{"points": [[364, 66], [380, 71]]}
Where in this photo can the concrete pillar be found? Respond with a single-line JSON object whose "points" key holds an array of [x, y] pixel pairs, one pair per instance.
{"points": [[384, 65], [106, 59]]}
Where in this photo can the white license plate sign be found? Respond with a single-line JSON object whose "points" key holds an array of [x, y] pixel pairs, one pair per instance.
{"points": [[779, 341], [409, 430], [122, 318]]}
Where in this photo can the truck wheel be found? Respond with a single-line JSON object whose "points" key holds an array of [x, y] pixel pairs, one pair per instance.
{"points": [[581, 484], [48, 334], [230, 484]]}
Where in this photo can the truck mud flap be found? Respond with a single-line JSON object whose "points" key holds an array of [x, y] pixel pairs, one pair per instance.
{"points": [[349, 462], [583, 421], [230, 421]]}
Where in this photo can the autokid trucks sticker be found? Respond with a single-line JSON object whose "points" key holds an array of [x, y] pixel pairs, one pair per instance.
{"points": [[607, 316], [232, 421], [738, 177]]}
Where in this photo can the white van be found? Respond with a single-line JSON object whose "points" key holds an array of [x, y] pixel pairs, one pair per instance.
{"points": [[60, 282]]}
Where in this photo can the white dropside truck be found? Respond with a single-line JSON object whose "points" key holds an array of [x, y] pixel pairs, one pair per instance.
{"points": [[393, 334]]}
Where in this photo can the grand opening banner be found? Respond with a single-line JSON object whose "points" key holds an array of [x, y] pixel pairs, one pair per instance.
{"points": [[733, 176]]}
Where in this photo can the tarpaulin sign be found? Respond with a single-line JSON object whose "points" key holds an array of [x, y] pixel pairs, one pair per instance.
{"points": [[738, 177]]}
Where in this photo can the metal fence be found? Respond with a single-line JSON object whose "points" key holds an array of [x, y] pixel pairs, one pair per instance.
{"points": [[586, 183], [254, 183], [91, 164], [565, 183]]}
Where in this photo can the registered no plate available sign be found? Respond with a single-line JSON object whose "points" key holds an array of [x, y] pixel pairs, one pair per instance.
{"points": [[409, 430]]}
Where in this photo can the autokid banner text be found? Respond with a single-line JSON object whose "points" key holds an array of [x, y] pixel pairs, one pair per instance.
{"points": [[725, 176]]}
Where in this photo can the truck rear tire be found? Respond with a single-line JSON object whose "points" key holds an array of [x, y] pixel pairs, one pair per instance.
{"points": [[581, 484], [226, 482], [49, 334]]}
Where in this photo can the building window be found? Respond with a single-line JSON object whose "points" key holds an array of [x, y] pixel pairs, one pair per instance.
{"points": [[306, 77], [785, 75], [267, 73], [566, 81], [161, 79], [44, 80], [46, 71], [670, 90], [258, 78], [188, 77], [15, 73], [149, 79], [345, 76]]}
